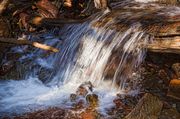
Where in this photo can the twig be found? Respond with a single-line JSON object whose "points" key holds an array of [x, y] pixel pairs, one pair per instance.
{"points": [[27, 42]]}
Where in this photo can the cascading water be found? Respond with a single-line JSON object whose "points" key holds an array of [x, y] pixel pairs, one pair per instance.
{"points": [[85, 52], [83, 56]]}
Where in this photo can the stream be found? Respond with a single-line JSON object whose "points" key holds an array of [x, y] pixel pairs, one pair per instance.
{"points": [[86, 51]]}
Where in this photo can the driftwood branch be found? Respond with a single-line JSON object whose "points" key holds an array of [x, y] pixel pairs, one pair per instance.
{"points": [[3, 5], [165, 45], [27, 42]]}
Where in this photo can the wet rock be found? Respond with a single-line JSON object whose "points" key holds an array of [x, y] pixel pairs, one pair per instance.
{"points": [[80, 104], [176, 69], [42, 74], [73, 97], [112, 65], [84, 89], [148, 107], [6, 67], [174, 89], [92, 99]]}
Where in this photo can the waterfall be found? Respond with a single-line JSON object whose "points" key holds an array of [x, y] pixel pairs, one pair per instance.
{"points": [[84, 54]]}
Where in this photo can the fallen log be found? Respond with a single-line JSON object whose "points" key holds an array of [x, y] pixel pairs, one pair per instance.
{"points": [[27, 42], [3, 5], [165, 45]]}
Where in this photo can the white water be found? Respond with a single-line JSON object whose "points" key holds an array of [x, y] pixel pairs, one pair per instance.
{"points": [[84, 55]]}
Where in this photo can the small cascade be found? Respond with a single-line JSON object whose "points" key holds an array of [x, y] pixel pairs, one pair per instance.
{"points": [[84, 56]]}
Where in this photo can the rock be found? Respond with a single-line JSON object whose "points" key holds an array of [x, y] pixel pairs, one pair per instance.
{"points": [[112, 65], [92, 99], [73, 97], [149, 107], [174, 89], [4, 32], [84, 89], [79, 105], [118, 102], [6, 67], [176, 69], [89, 114], [50, 113]]}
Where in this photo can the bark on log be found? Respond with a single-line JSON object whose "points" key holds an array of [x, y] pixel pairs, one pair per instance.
{"points": [[3, 5], [149, 107], [27, 42], [165, 45]]}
